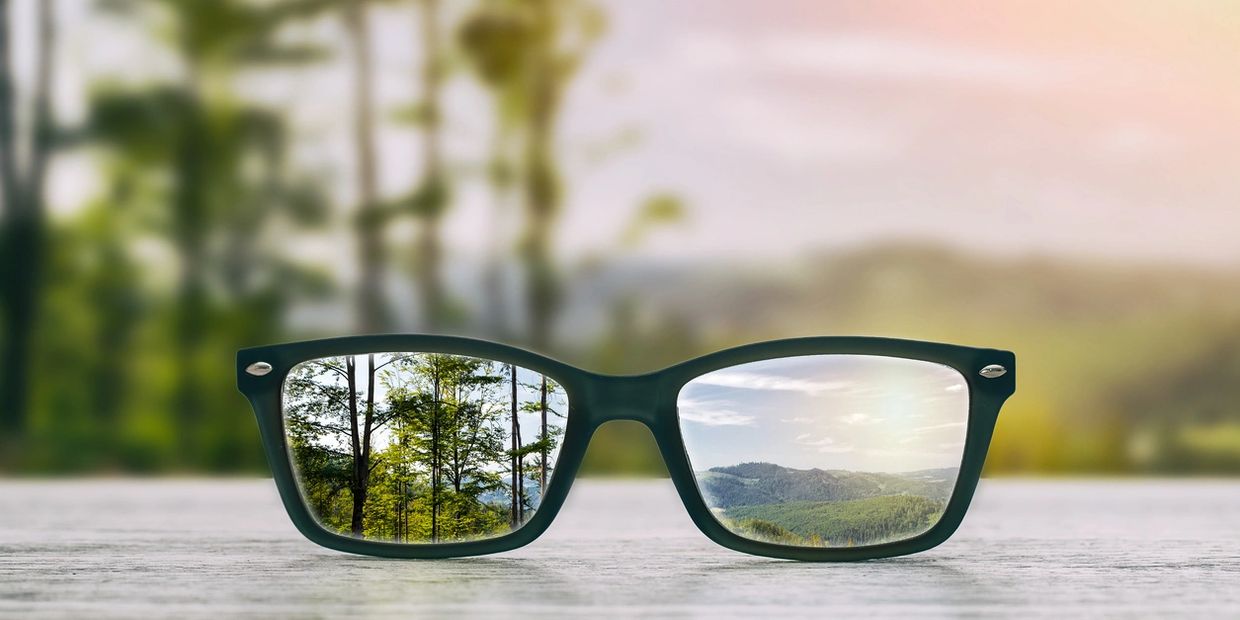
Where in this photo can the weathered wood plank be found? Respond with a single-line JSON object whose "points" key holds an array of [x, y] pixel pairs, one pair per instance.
{"points": [[198, 548]]}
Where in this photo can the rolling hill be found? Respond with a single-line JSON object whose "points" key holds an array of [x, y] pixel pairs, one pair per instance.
{"points": [[825, 508], [750, 484]]}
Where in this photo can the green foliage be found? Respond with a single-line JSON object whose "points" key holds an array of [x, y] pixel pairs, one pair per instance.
{"points": [[428, 461], [657, 210], [821, 508], [868, 521]]}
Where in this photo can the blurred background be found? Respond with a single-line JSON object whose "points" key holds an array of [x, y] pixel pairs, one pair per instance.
{"points": [[622, 184]]}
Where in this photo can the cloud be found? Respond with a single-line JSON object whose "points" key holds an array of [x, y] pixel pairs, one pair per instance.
{"points": [[709, 414], [825, 445], [842, 449], [791, 128], [936, 427], [919, 433], [797, 420], [756, 381], [866, 56], [860, 419], [906, 454], [807, 439], [955, 387]]}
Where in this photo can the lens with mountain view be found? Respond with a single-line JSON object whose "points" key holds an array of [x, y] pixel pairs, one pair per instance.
{"points": [[826, 450], [421, 447]]}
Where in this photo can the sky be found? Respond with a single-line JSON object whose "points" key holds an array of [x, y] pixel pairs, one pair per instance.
{"points": [[850, 412], [1106, 129]]}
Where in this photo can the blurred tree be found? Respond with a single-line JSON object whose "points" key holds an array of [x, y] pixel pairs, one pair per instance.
{"points": [[527, 52], [1178, 416], [23, 229], [562, 33], [492, 38], [224, 159], [430, 199], [372, 311]]}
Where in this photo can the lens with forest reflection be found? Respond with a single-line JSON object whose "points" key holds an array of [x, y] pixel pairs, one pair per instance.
{"points": [[826, 450], [421, 447]]}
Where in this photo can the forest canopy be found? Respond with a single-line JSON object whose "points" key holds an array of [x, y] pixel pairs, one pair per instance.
{"points": [[421, 447]]}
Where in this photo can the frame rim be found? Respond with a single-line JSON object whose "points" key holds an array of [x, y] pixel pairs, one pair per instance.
{"points": [[651, 398], [986, 397]]}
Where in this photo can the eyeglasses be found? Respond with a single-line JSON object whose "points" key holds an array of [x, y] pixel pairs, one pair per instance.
{"points": [[828, 448]]}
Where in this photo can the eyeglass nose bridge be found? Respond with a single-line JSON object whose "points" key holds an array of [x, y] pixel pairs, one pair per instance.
{"points": [[628, 397]]}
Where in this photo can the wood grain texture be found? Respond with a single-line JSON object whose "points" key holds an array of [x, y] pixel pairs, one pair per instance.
{"points": [[208, 548]]}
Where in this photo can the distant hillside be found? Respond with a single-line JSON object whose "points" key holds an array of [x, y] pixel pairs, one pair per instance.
{"points": [[751, 484], [503, 495], [907, 280], [1123, 367]]}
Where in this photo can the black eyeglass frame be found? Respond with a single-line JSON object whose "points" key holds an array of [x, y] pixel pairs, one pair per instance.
{"points": [[595, 399]]}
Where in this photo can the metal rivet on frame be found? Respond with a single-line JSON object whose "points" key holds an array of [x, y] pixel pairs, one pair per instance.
{"points": [[993, 371], [258, 369]]}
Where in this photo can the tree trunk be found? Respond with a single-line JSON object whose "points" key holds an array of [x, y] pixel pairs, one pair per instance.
{"points": [[542, 192], [23, 232], [9, 189], [435, 456], [433, 186], [14, 380], [190, 223], [520, 480], [515, 447], [542, 474], [371, 312], [43, 128], [495, 312], [356, 487], [356, 524], [367, 429], [458, 465]]}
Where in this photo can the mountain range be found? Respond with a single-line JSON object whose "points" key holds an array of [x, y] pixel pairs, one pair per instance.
{"points": [[750, 484]]}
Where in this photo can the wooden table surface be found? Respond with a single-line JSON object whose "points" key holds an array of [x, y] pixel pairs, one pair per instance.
{"points": [[224, 548]]}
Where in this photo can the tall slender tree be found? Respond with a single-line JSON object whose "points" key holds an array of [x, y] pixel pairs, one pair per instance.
{"points": [[493, 38], [357, 483], [541, 183], [23, 229], [435, 408], [526, 52], [372, 313], [431, 197], [327, 408], [9, 188], [543, 440], [515, 515]]}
